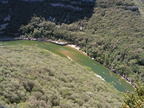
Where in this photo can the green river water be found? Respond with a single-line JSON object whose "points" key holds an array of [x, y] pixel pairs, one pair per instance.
{"points": [[79, 57]]}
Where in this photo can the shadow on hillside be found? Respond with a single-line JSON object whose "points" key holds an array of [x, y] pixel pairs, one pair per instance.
{"points": [[52, 11]]}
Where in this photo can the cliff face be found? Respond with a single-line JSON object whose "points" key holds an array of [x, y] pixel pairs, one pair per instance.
{"points": [[4, 1], [61, 0], [74, 1], [31, 0], [58, 11]]}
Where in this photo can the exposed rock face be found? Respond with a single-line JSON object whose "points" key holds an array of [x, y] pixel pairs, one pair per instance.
{"points": [[4, 1], [66, 6], [18, 12], [133, 8], [61, 0], [31, 0], [72, 1], [79, 0]]}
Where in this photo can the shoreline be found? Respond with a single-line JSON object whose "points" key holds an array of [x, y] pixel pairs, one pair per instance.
{"points": [[68, 44], [113, 70]]}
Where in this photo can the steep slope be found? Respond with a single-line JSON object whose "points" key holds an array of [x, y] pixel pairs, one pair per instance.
{"points": [[110, 32], [113, 36], [33, 77], [58, 11]]}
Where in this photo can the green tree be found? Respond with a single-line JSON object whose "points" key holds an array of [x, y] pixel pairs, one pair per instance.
{"points": [[136, 99]]}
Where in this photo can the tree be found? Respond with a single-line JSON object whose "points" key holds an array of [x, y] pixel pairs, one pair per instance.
{"points": [[136, 99]]}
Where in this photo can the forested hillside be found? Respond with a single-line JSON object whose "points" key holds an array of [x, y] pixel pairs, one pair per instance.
{"points": [[36, 78], [113, 35], [109, 31]]}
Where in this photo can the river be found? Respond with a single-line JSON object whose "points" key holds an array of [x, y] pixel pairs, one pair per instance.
{"points": [[77, 56]]}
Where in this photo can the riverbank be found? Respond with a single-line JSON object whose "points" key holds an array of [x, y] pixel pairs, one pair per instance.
{"points": [[59, 42], [34, 39]]}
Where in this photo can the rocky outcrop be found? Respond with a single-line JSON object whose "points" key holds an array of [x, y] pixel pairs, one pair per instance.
{"points": [[4, 1], [132, 8], [5, 23], [66, 6], [61, 0], [31, 0]]}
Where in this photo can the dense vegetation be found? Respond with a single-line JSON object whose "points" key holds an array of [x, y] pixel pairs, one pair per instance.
{"points": [[113, 36], [31, 77], [110, 31], [136, 99]]}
